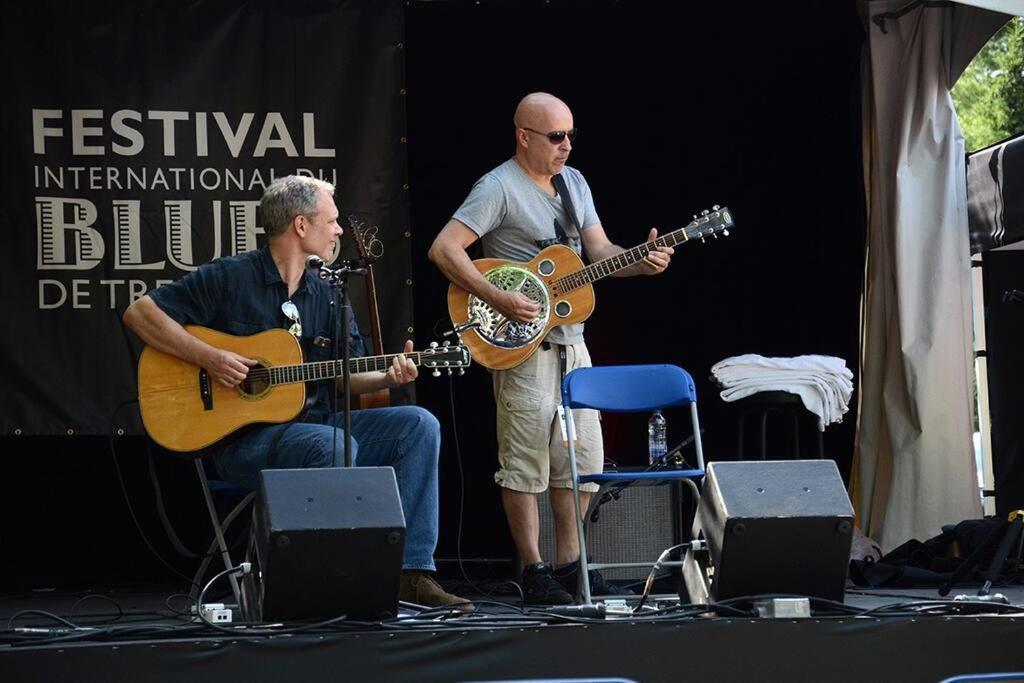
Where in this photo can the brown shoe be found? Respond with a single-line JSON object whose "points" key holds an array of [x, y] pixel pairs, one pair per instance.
{"points": [[418, 588]]}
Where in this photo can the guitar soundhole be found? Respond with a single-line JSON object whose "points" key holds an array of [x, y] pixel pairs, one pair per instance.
{"points": [[256, 383], [563, 308], [546, 267]]}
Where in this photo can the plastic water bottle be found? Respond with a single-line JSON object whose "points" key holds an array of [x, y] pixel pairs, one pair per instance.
{"points": [[657, 444]]}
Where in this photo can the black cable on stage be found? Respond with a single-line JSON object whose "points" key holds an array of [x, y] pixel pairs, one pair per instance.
{"points": [[462, 503], [242, 569], [175, 612], [943, 608], [161, 509], [172, 535], [924, 607], [128, 502], [831, 604], [132, 631], [439, 619], [98, 596], [41, 613], [480, 603]]}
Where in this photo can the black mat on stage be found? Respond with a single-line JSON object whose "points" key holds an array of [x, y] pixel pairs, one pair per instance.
{"points": [[839, 648]]}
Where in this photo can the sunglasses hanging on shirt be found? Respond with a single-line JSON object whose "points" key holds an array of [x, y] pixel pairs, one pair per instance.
{"points": [[291, 312]]}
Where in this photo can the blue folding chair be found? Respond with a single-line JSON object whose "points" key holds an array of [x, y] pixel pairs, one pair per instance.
{"points": [[625, 389]]}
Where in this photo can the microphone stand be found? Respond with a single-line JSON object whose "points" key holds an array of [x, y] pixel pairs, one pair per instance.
{"points": [[337, 278]]}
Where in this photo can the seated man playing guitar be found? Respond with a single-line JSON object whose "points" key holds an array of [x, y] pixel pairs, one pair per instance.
{"points": [[524, 205], [272, 288]]}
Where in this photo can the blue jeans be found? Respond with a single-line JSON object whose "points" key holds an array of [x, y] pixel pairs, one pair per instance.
{"points": [[407, 438]]}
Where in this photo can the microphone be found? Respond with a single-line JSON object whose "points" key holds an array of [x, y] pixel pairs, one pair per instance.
{"points": [[345, 267]]}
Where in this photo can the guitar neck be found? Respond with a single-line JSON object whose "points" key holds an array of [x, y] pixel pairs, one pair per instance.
{"points": [[328, 369], [624, 259]]}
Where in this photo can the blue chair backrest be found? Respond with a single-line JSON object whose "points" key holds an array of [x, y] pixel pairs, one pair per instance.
{"points": [[628, 388]]}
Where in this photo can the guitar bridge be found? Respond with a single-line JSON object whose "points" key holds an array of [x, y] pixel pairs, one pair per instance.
{"points": [[497, 330], [205, 390]]}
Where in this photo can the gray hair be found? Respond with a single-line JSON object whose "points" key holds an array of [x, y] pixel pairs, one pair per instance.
{"points": [[288, 197]]}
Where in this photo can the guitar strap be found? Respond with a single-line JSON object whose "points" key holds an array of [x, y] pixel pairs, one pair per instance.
{"points": [[562, 359], [563, 192]]}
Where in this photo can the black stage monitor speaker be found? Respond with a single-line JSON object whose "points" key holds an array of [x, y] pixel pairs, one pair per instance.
{"points": [[771, 527], [328, 542]]}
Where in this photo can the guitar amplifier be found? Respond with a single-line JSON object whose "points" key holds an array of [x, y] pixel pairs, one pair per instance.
{"points": [[328, 542], [635, 526]]}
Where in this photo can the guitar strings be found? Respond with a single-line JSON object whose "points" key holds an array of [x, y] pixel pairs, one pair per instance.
{"points": [[307, 371], [637, 253], [631, 256]]}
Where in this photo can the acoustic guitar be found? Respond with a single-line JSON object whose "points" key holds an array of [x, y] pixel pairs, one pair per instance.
{"points": [[558, 280], [185, 409]]}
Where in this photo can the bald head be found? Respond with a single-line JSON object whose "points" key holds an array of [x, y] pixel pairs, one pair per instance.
{"points": [[538, 108], [538, 115]]}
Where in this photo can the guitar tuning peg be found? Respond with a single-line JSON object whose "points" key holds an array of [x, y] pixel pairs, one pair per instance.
{"points": [[449, 372], [433, 344], [704, 212], [716, 207], [715, 235], [726, 232], [446, 344], [462, 371], [436, 373]]}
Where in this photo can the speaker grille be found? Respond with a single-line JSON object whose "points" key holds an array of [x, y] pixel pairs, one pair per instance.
{"points": [[636, 527]]}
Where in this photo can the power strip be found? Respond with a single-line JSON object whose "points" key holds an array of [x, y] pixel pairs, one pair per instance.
{"points": [[217, 613]]}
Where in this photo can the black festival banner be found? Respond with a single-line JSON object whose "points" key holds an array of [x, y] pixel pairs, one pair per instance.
{"points": [[138, 138]]}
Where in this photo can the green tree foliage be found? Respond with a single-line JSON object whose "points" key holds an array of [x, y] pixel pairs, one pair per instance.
{"points": [[989, 97]]}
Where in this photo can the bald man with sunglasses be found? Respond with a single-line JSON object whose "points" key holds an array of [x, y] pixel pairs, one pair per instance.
{"points": [[516, 210]]}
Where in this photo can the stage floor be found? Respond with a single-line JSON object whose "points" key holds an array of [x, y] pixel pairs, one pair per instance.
{"points": [[142, 635]]}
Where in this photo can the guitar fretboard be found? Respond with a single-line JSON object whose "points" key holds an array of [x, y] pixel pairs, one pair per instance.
{"points": [[311, 372], [605, 267]]}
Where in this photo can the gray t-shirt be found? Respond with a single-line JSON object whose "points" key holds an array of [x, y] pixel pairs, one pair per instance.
{"points": [[511, 214]]}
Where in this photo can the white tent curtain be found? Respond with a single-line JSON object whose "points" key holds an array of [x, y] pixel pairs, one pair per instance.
{"points": [[1015, 7], [914, 461]]}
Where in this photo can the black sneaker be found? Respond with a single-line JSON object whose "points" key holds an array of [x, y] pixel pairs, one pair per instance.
{"points": [[568, 576], [541, 588]]}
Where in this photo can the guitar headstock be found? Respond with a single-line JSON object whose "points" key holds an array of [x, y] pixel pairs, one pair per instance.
{"points": [[445, 356], [370, 248], [711, 223]]}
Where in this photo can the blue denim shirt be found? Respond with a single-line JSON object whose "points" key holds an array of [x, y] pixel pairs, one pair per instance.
{"points": [[242, 295]]}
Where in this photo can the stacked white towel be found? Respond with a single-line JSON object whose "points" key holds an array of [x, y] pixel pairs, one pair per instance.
{"points": [[823, 383]]}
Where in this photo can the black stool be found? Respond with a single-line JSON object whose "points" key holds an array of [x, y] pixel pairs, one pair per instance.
{"points": [[765, 402]]}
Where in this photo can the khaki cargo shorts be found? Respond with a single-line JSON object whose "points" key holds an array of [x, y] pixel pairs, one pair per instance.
{"points": [[531, 454]]}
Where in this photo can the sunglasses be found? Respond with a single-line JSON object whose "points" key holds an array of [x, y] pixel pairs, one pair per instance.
{"points": [[292, 313], [555, 137]]}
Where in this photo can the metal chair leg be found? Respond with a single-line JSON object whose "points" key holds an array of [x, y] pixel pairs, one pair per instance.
{"points": [[226, 523], [796, 434], [570, 430], [698, 446], [739, 446], [764, 433], [218, 531]]}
